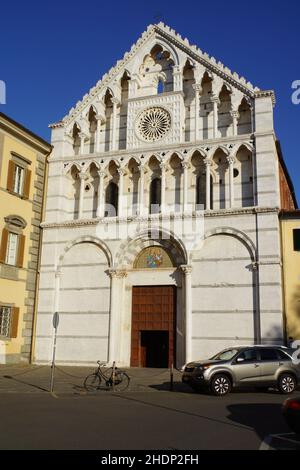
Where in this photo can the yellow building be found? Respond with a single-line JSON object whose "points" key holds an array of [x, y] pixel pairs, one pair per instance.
{"points": [[290, 235], [23, 157]]}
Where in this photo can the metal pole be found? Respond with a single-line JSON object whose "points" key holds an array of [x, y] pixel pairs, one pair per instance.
{"points": [[113, 375], [55, 325], [171, 377]]}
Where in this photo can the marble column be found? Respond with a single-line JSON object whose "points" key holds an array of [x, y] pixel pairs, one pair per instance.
{"points": [[185, 166], [215, 101], [100, 205], [231, 161], [198, 89], [81, 193], [187, 272], [163, 168], [235, 116], [141, 200], [252, 117], [82, 137], [208, 163], [177, 78], [99, 121], [115, 103], [117, 278], [121, 172]]}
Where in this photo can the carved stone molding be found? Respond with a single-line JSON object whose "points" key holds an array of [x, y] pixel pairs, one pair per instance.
{"points": [[186, 269], [160, 217], [117, 273]]}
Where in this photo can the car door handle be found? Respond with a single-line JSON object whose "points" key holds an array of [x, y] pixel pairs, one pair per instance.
{"points": [[256, 365], [281, 363]]}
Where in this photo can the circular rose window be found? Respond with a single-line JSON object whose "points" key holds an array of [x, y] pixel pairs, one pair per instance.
{"points": [[153, 124]]}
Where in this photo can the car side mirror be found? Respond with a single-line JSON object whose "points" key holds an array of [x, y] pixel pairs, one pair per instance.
{"points": [[240, 359]]}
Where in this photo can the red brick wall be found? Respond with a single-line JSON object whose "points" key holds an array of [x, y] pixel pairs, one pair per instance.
{"points": [[286, 197]]}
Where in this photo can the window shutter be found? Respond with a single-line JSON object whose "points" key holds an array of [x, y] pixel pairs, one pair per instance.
{"points": [[27, 178], [3, 247], [10, 175], [21, 245], [14, 322]]}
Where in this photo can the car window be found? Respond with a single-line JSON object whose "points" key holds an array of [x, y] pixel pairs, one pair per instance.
{"points": [[282, 355], [248, 356], [225, 355], [268, 354]]}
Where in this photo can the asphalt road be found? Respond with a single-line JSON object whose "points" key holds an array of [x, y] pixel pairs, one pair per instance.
{"points": [[156, 419]]}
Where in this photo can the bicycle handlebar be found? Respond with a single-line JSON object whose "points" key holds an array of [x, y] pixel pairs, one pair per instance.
{"points": [[101, 363]]}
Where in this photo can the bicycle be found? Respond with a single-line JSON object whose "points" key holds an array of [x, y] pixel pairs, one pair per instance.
{"points": [[114, 378]]}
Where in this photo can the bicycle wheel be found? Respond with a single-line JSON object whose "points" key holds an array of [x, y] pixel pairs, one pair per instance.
{"points": [[92, 382], [121, 381]]}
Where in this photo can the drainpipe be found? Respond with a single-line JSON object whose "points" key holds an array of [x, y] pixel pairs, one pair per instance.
{"points": [[37, 278], [257, 324], [283, 288]]}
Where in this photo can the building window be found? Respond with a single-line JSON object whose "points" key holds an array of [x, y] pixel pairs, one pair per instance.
{"points": [[12, 249], [5, 321], [13, 241], [160, 87], [155, 196], [111, 200], [9, 320], [19, 180], [201, 191], [19, 177], [296, 237]]}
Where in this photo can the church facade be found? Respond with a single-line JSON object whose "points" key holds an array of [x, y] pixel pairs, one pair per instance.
{"points": [[161, 240]]}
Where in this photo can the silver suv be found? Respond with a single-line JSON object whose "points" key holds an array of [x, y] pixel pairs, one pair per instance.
{"points": [[258, 366]]}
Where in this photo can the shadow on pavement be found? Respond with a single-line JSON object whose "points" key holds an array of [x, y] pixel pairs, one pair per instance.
{"points": [[263, 418], [177, 387], [25, 383]]}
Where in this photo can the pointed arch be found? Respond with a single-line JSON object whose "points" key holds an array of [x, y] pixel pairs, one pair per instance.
{"points": [[89, 164], [214, 150], [71, 166]]}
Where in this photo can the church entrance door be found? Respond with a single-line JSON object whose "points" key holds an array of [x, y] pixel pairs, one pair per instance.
{"points": [[153, 326]]}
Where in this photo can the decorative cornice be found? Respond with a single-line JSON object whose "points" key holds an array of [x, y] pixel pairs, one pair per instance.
{"points": [[204, 58], [266, 94], [160, 217], [184, 147], [165, 31]]}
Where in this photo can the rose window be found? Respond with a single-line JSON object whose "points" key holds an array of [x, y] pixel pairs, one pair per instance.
{"points": [[153, 124]]}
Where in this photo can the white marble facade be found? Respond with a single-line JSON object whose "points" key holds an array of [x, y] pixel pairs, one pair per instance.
{"points": [[172, 126]]}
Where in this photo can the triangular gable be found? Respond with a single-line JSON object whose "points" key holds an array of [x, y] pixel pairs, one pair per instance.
{"points": [[174, 39]]}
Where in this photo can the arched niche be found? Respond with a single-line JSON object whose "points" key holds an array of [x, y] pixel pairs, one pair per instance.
{"points": [[154, 257]]}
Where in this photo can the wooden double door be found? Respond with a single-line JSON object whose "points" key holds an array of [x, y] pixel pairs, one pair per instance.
{"points": [[153, 326]]}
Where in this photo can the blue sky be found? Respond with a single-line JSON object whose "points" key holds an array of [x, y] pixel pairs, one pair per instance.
{"points": [[52, 52]]}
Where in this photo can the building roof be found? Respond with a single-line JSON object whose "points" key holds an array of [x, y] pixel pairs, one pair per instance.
{"points": [[22, 132], [285, 214]]}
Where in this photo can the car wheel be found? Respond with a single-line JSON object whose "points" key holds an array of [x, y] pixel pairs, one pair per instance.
{"points": [[286, 383], [220, 385]]}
